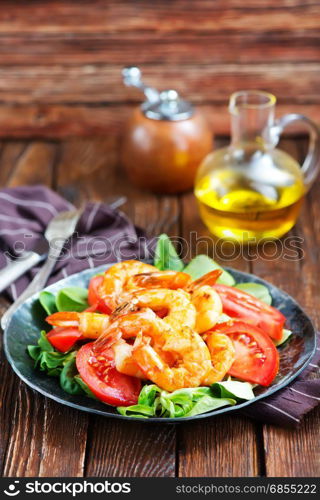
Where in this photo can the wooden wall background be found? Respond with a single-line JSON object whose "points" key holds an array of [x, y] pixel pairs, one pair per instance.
{"points": [[60, 61]]}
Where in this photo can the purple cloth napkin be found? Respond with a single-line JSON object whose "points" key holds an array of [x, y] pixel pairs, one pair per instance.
{"points": [[105, 235], [102, 234]]}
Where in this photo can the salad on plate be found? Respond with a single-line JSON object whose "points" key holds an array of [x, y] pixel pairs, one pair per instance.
{"points": [[162, 340]]}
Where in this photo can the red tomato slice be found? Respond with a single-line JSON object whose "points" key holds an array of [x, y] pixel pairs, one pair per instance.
{"points": [[93, 289], [64, 338], [239, 304], [101, 376], [94, 299], [257, 358]]}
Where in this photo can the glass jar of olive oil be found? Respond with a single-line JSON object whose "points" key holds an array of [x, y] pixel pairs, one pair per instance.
{"points": [[250, 190]]}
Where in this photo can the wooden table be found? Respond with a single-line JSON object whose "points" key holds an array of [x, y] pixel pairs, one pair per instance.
{"points": [[42, 438], [61, 61]]}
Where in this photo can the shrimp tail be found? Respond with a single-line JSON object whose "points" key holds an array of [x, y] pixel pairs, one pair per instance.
{"points": [[106, 340], [63, 318], [208, 279], [124, 309], [162, 279]]}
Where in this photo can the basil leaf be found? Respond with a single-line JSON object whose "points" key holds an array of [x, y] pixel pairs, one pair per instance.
{"points": [[84, 387], [72, 299], [286, 334], [166, 257], [48, 302], [67, 378], [259, 291], [202, 264], [208, 403], [233, 389]]}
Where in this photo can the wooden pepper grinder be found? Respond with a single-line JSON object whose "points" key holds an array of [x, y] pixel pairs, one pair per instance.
{"points": [[165, 139]]}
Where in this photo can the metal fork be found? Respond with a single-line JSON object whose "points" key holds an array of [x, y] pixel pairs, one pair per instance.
{"points": [[60, 228]]}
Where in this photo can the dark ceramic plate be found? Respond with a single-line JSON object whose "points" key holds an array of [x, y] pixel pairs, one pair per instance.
{"points": [[28, 320]]}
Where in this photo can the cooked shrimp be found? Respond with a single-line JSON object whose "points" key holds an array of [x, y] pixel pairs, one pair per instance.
{"points": [[192, 360], [136, 326], [90, 324], [222, 356], [206, 300], [161, 279], [208, 306], [116, 280], [180, 311], [133, 323], [124, 361]]}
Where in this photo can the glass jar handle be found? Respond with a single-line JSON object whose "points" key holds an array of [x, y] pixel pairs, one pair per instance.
{"points": [[311, 164]]}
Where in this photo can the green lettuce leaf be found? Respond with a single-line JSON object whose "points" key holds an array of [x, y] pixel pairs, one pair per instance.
{"points": [[48, 302], [72, 299], [202, 264], [44, 343], [233, 389], [148, 395], [57, 364], [136, 411], [286, 334], [166, 257], [46, 358], [67, 377], [208, 403], [155, 402], [259, 291]]}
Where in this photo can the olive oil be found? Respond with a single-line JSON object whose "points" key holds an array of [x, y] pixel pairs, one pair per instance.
{"points": [[251, 191], [249, 194]]}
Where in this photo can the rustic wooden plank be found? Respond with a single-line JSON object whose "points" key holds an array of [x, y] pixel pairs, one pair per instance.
{"points": [[23, 453], [8, 390], [61, 65], [34, 166], [9, 154], [82, 120], [63, 445], [80, 159], [87, 170], [41, 441], [117, 448], [291, 453], [164, 17], [38, 440], [130, 449], [153, 48], [208, 83], [214, 448], [21, 423]]}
